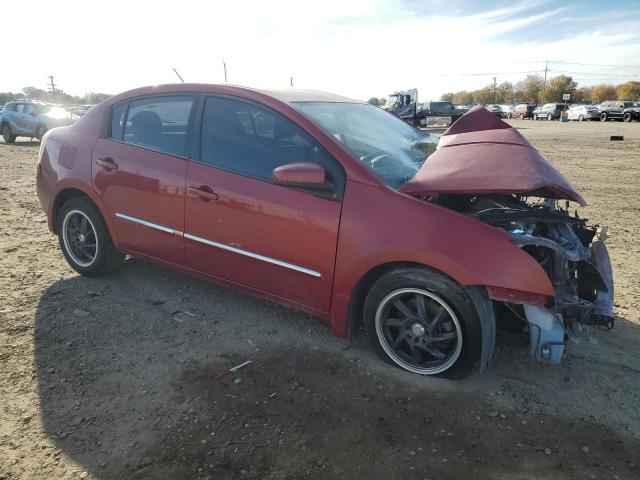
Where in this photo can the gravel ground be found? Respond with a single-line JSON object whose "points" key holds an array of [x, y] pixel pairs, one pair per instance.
{"points": [[115, 377]]}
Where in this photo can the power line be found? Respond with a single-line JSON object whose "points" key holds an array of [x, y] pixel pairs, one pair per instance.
{"points": [[595, 64], [577, 63], [491, 74]]}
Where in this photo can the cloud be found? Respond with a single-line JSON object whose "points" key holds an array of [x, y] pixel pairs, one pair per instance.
{"points": [[359, 48]]}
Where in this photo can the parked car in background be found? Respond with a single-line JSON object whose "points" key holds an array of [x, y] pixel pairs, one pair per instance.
{"points": [[25, 118], [494, 109], [583, 112], [549, 111], [507, 110], [329, 205], [631, 112], [404, 105], [523, 111], [84, 109], [615, 110]]}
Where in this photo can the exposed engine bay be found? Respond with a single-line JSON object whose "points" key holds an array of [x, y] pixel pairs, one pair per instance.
{"points": [[572, 253]]}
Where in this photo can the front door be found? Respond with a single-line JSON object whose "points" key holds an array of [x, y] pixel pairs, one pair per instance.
{"points": [[241, 227], [20, 119], [139, 171]]}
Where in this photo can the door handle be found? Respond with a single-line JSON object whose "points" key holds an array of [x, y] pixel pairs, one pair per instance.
{"points": [[205, 192], [107, 163]]}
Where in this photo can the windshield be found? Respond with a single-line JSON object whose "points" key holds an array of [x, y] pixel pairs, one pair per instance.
{"points": [[388, 146], [392, 101]]}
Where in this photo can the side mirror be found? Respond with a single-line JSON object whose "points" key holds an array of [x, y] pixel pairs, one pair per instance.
{"points": [[302, 175]]}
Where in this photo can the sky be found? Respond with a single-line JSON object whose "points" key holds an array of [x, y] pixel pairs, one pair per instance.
{"points": [[357, 48]]}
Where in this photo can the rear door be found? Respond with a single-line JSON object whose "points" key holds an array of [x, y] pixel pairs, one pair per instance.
{"points": [[618, 109], [241, 227], [139, 171]]}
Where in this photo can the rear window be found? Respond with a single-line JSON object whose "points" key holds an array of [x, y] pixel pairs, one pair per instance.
{"points": [[160, 123]]}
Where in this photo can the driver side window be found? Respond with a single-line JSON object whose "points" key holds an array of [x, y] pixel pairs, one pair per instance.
{"points": [[250, 140]]}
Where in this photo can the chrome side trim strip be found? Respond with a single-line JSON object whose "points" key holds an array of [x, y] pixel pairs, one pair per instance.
{"points": [[155, 226], [280, 263]]}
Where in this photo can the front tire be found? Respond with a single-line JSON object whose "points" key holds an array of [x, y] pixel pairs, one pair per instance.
{"points": [[626, 117], [581, 118], [85, 240], [535, 116], [7, 135], [423, 322], [549, 117], [604, 117]]}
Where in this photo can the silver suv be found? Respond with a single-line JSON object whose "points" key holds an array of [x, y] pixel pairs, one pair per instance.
{"points": [[26, 118]]}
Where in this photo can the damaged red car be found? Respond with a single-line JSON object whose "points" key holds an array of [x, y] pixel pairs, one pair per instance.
{"points": [[335, 207]]}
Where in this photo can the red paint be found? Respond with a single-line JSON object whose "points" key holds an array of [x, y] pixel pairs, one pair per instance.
{"points": [[516, 296], [482, 154], [340, 241]]}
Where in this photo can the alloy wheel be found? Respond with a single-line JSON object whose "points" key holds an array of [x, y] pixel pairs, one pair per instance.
{"points": [[418, 330], [79, 238]]}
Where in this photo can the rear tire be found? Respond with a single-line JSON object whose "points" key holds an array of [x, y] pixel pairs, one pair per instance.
{"points": [[423, 322], [626, 117], [581, 118], [85, 240], [7, 135]]}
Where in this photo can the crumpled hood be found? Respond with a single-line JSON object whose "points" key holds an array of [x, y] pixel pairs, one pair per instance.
{"points": [[480, 153]]}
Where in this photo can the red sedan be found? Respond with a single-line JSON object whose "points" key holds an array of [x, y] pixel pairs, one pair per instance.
{"points": [[335, 207]]}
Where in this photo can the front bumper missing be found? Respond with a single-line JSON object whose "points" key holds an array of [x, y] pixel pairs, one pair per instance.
{"points": [[548, 329]]}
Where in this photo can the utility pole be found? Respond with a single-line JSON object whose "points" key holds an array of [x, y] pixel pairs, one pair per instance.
{"points": [[224, 65], [546, 69], [494, 89], [292, 81], [52, 85]]}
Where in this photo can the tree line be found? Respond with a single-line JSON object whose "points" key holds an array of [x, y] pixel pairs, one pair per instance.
{"points": [[59, 96], [532, 89]]}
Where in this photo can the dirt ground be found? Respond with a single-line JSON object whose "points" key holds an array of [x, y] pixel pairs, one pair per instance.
{"points": [[114, 378]]}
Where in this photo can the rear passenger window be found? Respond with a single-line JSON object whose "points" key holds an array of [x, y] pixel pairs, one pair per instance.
{"points": [[161, 123], [117, 121], [253, 141]]}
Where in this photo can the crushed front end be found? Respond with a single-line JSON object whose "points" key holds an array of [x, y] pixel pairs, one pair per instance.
{"points": [[486, 169], [572, 252]]}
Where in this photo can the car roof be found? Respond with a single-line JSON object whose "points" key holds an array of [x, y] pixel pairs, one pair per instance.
{"points": [[289, 95], [292, 95]]}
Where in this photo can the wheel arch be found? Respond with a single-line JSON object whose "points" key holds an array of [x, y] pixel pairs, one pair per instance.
{"points": [[365, 282], [68, 192], [478, 296]]}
